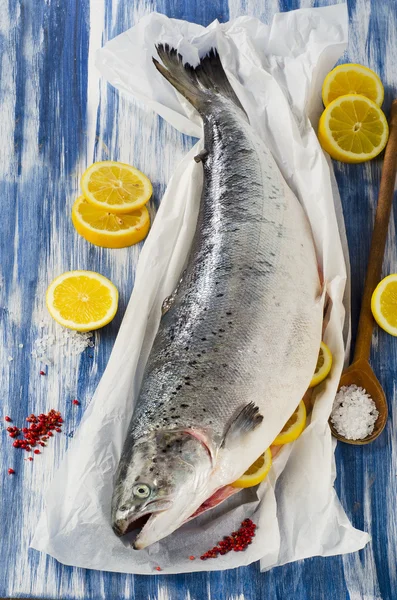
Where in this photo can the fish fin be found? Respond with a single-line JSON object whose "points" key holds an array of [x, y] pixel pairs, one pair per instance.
{"points": [[169, 300], [201, 156], [167, 303], [245, 421], [196, 84]]}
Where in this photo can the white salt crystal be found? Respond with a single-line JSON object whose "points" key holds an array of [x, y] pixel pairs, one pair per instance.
{"points": [[71, 343], [20, 345], [10, 359], [354, 413]]}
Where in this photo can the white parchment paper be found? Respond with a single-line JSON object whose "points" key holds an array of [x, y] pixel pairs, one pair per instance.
{"points": [[277, 71]]}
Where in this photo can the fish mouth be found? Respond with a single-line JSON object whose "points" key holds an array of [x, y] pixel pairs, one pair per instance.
{"points": [[137, 521], [137, 543], [124, 527], [154, 529]]}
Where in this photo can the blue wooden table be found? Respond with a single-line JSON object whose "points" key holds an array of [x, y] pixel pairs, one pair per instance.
{"points": [[56, 117]]}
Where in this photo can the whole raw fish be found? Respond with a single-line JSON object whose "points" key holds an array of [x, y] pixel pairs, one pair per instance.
{"points": [[240, 336]]}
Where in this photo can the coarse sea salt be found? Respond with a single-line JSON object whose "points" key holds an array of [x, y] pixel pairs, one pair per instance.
{"points": [[354, 413], [64, 342]]}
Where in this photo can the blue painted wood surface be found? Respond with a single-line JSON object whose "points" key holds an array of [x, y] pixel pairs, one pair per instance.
{"points": [[54, 121]]}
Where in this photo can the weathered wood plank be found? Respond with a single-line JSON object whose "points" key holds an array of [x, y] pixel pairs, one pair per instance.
{"points": [[55, 119]]}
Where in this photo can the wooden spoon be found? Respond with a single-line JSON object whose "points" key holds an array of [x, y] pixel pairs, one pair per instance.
{"points": [[360, 373]]}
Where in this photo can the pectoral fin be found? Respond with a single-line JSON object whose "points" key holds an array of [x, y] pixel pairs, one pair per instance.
{"points": [[245, 421]]}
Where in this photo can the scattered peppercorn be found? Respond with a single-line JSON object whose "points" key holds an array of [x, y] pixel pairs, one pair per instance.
{"points": [[42, 372], [76, 402], [11, 472], [158, 569], [192, 557], [8, 419], [237, 541], [39, 430]]}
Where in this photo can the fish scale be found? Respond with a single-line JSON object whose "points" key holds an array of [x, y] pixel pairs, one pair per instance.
{"points": [[232, 275], [243, 327]]}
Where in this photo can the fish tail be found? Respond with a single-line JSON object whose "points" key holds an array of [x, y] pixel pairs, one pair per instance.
{"points": [[196, 84]]}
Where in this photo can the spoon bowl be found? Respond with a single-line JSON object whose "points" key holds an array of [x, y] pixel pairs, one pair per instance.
{"points": [[360, 373]]}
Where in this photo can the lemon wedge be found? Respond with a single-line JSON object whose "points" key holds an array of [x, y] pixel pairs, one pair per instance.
{"points": [[353, 129], [115, 186], [352, 79], [384, 304], [82, 300], [293, 427], [323, 367], [108, 229], [257, 472]]}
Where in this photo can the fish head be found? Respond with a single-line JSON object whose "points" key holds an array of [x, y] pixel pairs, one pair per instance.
{"points": [[164, 478]]}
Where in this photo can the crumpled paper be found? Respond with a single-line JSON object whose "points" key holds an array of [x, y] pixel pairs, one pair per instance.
{"points": [[276, 71]]}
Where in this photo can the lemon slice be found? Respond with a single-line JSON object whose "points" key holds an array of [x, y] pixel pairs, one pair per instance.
{"points": [[323, 367], [115, 186], [108, 229], [353, 129], [257, 472], [82, 300], [384, 304], [352, 79], [293, 427]]}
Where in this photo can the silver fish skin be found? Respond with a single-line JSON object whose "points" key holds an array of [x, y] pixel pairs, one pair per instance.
{"points": [[237, 347]]}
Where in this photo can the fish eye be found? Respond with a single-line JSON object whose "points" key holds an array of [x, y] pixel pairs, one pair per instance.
{"points": [[141, 490]]}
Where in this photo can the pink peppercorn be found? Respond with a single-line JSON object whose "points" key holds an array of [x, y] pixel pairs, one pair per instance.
{"points": [[237, 541]]}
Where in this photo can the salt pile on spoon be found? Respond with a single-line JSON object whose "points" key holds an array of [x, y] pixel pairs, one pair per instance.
{"points": [[354, 413]]}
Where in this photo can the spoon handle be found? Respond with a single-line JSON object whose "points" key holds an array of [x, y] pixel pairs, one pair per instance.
{"points": [[378, 243]]}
